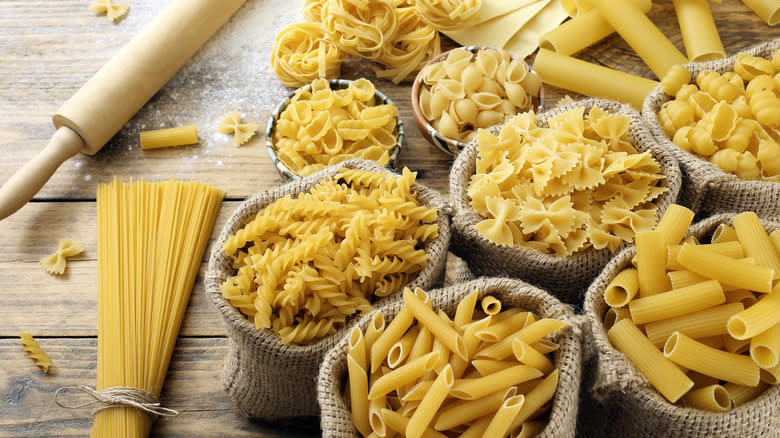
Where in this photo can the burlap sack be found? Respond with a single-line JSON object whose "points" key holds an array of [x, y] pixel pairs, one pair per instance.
{"points": [[706, 189], [265, 378], [336, 419], [564, 277], [617, 399]]}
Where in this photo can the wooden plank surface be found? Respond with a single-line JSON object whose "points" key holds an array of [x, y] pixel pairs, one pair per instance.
{"points": [[48, 49]]}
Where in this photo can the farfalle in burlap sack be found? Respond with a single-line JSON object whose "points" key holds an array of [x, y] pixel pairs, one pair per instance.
{"points": [[566, 277], [336, 420], [706, 188], [265, 378], [619, 401]]}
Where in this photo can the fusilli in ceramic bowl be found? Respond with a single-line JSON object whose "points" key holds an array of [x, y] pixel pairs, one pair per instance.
{"points": [[286, 172], [447, 144]]}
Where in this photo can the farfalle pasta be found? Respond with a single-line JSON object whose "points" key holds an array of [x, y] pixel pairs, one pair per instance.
{"points": [[731, 118], [113, 11], [575, 184], [56, 263], [322, 126], [301, 54], [242, 132], [304, 264], [466, 91]]}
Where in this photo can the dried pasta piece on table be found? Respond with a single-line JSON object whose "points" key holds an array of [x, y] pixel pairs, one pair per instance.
{"points": [[36, 352], [55, 263], [112, 10], [163, 138], [242, 132]]}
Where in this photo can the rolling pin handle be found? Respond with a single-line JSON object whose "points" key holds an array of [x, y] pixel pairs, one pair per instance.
{"points": [[26, 182]]}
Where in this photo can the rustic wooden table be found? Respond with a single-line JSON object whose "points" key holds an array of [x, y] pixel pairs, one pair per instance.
{"points": [[48, 49]]}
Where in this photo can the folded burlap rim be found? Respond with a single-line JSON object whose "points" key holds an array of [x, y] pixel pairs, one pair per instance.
{"points": [[336, 419], [616, 375]]}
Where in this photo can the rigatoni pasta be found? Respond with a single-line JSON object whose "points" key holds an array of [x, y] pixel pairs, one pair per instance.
{"points": [[162, 138]]}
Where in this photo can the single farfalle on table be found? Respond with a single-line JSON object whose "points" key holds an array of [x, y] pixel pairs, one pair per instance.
{"points": [[242, 132], [35, 351], [55, 263], [112, 10]]}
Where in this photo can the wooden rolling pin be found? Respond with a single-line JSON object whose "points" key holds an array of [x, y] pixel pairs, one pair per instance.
{"points": [[106, 102]]}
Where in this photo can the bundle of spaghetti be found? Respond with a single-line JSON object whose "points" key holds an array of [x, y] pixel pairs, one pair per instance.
{"points": [[301, 54], [306, 263], [415, 44], [151, 239], [360, 28], [446, 15]]}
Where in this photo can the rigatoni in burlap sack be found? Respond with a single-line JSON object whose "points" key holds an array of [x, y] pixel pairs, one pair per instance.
{"points": [[268, 379], [619, 401], [706, 188], [336, 420], [566, 277]]}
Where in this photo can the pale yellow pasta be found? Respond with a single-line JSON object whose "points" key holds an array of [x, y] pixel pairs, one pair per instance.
{"points": [[529, 334], [749, 66], [765, 347], [756, 241], [403, 375], [498, 330], [674, 79], [360, 28], [710, 398], [490, 305], [56, 263], [526, 354], [446, 15], [699, 324], [399, 423], [242, 132], [720, 267], [740, 394], [114, 11], [392, 333], [465, 311], [502, 420], [664, 375], [622, 288], [536, 398], [724, 233], [438, 327], [693, 355], [768, 10], [590, 79], [35, 352], [464, 411], [651, 262], [676, 302], [771, 375], [401, 349], [301, 54], [358, 395], [414, 44], [674, 223], [431, 403], [470, 389], [615, 314], [530, 429], [700, 35], [757, 318], [356, 347], [162, 138], [733, 250]]}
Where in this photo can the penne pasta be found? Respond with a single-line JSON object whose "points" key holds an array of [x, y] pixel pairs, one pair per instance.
{"points": [[423, 415], [440, 329], [676, 302], [664, 375], [740, 296], [719, 267], [536, 398], [357, 347], [403, 375], [465, 411], [731, 367], [502, 420], [529, 334], [399, 422], [464, 313], [490, 305], [358, 396], [530, 429], [375, 328], [401, 349], [470, 389], [771, 375], [525, 354], [500, 330], [490, 366], [472, 342]]}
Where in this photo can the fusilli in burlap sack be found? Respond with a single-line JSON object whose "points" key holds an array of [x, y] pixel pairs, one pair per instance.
{"points": [[564, 277], [265, 378], [336, 419], [706, 189], [619, 402]]}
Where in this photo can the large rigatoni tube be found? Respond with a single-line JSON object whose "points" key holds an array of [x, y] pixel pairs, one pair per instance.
{"points": [[719, 267], [641, 34], [664, 375], [582, 31], [756, 318], [756, 241], [676, 302], [695, 356], [713, 398], [700, 36], [650, 262], [674, 223], [768, 10], [704, 323], [590, 79]]}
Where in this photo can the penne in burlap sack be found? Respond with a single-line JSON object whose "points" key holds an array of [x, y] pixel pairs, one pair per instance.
{"points": [[336, 417], [706, 188], [618, 399], [266, 378], [566, 277]]}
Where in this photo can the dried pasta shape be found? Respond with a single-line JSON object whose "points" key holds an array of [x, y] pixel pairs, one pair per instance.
{"points": [[36, 352], [415, 44], [587, 173], [769, 157], [242, 132], [360, 28], [674, 79], [501, 212], [55, 263], [721, 121], [112, 10], [301, 54], [766, 107], [717, 86], [312, 10], [749, 66], [446, 15]]}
